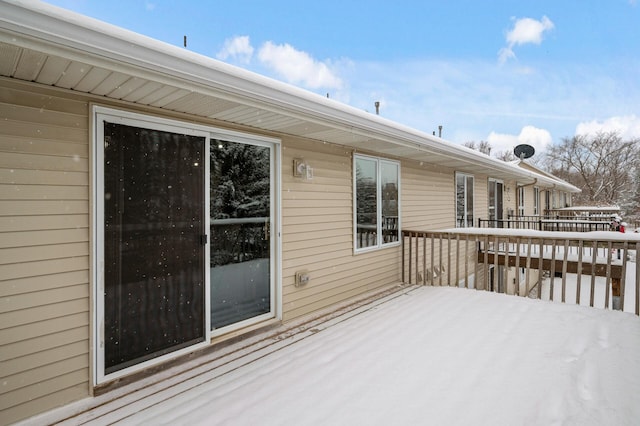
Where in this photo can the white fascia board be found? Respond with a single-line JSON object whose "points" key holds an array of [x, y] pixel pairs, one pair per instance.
{"points": [[98, 43]]}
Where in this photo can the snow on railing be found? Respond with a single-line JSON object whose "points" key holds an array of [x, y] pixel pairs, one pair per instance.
{"points": [[588, 268]]}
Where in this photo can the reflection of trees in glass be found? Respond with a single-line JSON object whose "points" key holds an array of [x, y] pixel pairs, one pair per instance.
{"points": [[460, 200], [239, 180], [389, 177], [367, 203], [240, 202], [464, 200]]}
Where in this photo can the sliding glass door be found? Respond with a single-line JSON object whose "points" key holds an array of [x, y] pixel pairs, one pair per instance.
{"points": [[185, 219], [153, 248], [241, 248]]}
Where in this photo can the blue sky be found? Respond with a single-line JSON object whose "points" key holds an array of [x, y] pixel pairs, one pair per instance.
{"points": [[506, 71]]}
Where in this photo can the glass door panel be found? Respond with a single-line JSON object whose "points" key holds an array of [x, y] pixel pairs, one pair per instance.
{"points": [[153, 252], [495, 203], [240, 258]]}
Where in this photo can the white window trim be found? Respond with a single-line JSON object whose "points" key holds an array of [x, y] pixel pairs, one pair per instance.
{"points": [[379, 244], [521, 199], [495, 182], [100, 113], [536, 201], [473, 199]]}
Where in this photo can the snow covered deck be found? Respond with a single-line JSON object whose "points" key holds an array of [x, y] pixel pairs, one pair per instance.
{"points": [[421, 355]]}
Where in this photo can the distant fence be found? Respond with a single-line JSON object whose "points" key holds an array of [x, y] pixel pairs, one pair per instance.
{"points": [[595, 271], [540, 224]]}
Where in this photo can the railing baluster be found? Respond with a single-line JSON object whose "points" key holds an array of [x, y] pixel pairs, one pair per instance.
{"points": [[527, 275], [476, 267], [457, 260], [486, 263], [402, 260], [608, 279], [417, 253], [516, 289], [564, 270], [505, 277], [623, 278], [540, 260], [594, 254], [410, 256], [433, 266], [579, 272], [552, 274], [637, 279], [466, 261], [496, 249], [449, 259], [424, 259], [440, 261]]}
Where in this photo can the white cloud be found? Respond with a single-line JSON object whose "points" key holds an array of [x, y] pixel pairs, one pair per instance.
{"points": [[524, 31], [149, 6], [627, 125], [238, 48], [527, 30], [530, 135], [298, 67]]}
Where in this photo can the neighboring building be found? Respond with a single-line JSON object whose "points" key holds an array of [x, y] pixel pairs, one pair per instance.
{"points": [[154, 202], [546, 197]]}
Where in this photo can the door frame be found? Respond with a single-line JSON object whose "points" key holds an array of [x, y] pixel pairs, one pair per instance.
{"points": [[99, 113]]}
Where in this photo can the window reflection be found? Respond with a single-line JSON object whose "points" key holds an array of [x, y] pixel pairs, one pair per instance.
{"points": [[240, 232]]}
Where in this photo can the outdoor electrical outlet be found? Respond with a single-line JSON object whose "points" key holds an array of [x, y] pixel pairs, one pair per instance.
{"points": [[302, 278]]}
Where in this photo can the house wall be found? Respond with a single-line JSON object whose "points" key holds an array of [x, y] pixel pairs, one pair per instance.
{"points": [[529, 200], [45, 263], [44, 250], [317, 226]]}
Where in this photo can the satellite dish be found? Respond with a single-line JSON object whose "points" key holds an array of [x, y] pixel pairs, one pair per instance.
{"points": [[524, 151]]}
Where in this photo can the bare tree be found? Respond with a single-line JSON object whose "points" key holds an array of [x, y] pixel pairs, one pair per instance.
{"points": [[506, 155], [483, 146], [602, 165]]}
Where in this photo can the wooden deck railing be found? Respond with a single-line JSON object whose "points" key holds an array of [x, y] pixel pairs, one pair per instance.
{"points": [[595, 269]]}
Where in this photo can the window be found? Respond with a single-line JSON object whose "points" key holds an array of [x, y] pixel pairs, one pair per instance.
{"points": [[376, 189], [521, 201], [536, 200], [464, 200]]}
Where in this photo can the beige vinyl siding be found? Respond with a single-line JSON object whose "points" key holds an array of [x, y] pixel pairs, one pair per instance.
{"points": [[428, 197], [510, 197], [44, 249], [317, 226], [480, 198], [528, 200]]}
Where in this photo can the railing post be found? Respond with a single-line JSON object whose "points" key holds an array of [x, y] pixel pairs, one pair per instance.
{"points": [[402, 260], [637, 280], [410, 251]]}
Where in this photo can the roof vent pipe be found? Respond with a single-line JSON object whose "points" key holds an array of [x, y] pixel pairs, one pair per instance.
{"points": [[377, 104], [440, 131]]}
